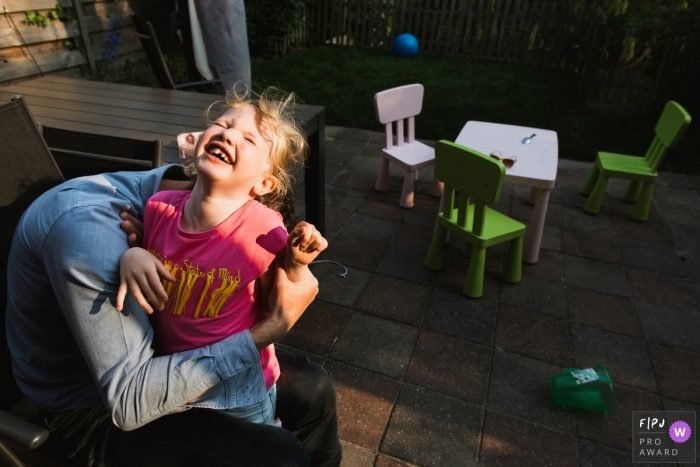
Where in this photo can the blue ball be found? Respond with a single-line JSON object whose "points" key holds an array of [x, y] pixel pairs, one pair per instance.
{"points": [[405, 46]]}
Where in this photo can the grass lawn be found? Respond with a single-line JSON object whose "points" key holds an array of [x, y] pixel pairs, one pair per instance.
{"points": [[345, 79]]}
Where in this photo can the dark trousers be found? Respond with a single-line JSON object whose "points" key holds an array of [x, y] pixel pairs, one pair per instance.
{"points": [[305, 404]]}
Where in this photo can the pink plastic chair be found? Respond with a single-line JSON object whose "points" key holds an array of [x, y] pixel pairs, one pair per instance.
{"points": [[395, 105]]}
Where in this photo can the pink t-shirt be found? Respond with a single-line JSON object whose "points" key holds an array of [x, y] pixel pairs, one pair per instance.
{"points": [[216, 293]]}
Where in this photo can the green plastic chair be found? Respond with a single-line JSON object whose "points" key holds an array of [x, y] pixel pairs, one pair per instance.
{"points": [[480, 177], [641, 171]]}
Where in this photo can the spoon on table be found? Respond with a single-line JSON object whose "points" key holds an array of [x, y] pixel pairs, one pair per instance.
{"points": [[528, 140]]}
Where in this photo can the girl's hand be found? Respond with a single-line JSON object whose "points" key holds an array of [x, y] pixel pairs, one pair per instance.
{"points": [[304, 244], [141, 272]]}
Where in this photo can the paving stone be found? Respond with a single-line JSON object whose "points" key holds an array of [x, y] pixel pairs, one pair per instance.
{"points": [[596, 455], [570, 178], [383, 461], [407, 265], [685, 237], [364, 402], [371, 228], [671, 327], [649, 231], [551, 238], [591, 246], [536, 294], [572, 196], [650, 256], [624, 357], [318, 328], [395, 299], [691, 261], [509, 442], [519, 386], [619, 207], [331, 171], [603, 311], [675, 195], [356, 456], [376, 344], [381, 206], [425, 218], [548, 266], [457, 315], [333, 288], [431, 429], [344, 197], [676, 214], [336, 218], [449, 365], [674, 179], [534, 335], [355, 180], [354, 252], [694, 181], [655, 288], [673, 369], [522, 210], [578, 219], [364, 163], [616, 430], [596, 275], [361, 135], [413, 237], [454, 273], [339, 153]]}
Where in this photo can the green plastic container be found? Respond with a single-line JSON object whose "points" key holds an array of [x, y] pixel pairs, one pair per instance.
{"points": [[589, 388]]}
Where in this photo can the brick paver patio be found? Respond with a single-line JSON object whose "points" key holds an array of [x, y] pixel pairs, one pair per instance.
{"points": [[428, 377]]}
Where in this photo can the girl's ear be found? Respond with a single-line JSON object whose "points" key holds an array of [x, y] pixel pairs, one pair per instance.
{"points": [[265, 186]]}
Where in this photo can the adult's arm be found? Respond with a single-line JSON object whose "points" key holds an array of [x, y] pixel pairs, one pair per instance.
{"points": [[80, 254]]}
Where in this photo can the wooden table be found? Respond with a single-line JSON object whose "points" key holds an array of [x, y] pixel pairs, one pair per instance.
{"points": [[146, 114], [536, 167]]}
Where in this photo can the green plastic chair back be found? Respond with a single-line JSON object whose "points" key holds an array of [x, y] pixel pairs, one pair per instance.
{"points": [[469, 171], [669, 130]]}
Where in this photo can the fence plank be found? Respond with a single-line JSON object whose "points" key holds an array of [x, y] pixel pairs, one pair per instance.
{"points": [[510, 47]]}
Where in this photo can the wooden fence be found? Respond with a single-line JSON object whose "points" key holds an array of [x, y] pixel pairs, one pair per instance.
{"points": [[522, 31], [673, 76], [28, 50]]}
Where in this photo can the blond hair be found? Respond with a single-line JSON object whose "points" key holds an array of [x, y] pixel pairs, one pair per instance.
{"points": [[289, 147]]}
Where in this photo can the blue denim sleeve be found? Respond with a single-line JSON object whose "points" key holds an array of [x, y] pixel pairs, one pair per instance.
{"points": [[80, 254]]}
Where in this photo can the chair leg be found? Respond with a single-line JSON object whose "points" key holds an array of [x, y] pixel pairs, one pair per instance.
{"points": [[437, 187], [474, 284], [433, 260], [467, 249], [633, 190], [641, 208], [513, 266], [383, 176], [407, 193], [596, 199], [590, 180]]}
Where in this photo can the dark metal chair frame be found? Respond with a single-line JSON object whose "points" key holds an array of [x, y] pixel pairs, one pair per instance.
{"points": [[144, 31]]}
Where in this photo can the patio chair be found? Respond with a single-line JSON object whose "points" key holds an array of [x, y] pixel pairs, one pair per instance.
{"points": [[144, 31], [28, 171], [641, 171], [395, 105], [79, 154], [477, 176]]}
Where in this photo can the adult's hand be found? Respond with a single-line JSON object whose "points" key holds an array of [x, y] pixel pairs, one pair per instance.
{"points": [[133, 228], [288, 301]]}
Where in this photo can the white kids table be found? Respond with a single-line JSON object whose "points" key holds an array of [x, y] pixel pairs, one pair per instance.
{"points": [[536, 167]]}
